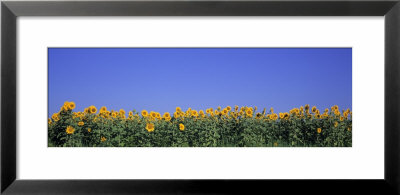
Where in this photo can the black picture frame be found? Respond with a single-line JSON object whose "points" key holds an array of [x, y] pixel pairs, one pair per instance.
{"points": [[11, 10]]}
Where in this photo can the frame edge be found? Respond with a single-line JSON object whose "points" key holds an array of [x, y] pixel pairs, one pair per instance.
{"points": [[8, 102], [392, 96], [202, 8]]}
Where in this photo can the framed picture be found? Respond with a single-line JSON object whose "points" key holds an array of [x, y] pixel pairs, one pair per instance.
{"points": [[199, 97]]}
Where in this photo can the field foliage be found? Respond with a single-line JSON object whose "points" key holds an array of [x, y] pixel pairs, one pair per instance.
{"points": [[220, 127]]}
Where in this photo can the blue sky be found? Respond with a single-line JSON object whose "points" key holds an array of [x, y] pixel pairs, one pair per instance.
{"points": [[161, 79]]}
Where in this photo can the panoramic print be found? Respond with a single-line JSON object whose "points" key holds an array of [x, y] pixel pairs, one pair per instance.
{"points": [[199, 97]]}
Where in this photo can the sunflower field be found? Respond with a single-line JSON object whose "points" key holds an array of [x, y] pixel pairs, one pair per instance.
{"points": [[220, 127]]}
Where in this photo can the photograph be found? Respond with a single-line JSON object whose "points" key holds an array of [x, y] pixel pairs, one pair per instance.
{"points": [[199, 97]]}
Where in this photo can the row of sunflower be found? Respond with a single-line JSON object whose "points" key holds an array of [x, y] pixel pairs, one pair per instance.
{"points": [[221, 127]]}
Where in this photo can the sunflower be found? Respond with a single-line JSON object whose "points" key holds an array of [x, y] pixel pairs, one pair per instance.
{"points": [[207, 111], [319, 130], [281, 115], [55, 117], [216, 112], [286, 115], [92, 109], [114, 115], [249, 112], [166, 115], [122, 116], [228, 108], [103, 109], [225, 111], [307, 107], [70, 130], [81, 123], [314, 109], [65, 107], [49, 121], [130, 113], [103, 139], [122, 111], [89, 130], [296, 110], [336, 107], [75, 115], [108, 113], [145, 113], [325, 115], [337, 112], [153, 114], [201, 112], [158, 115], [71, 105], [178, 109], [275, 116], [181, 127], [150, 127], [336, 124], [270, 116]]}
